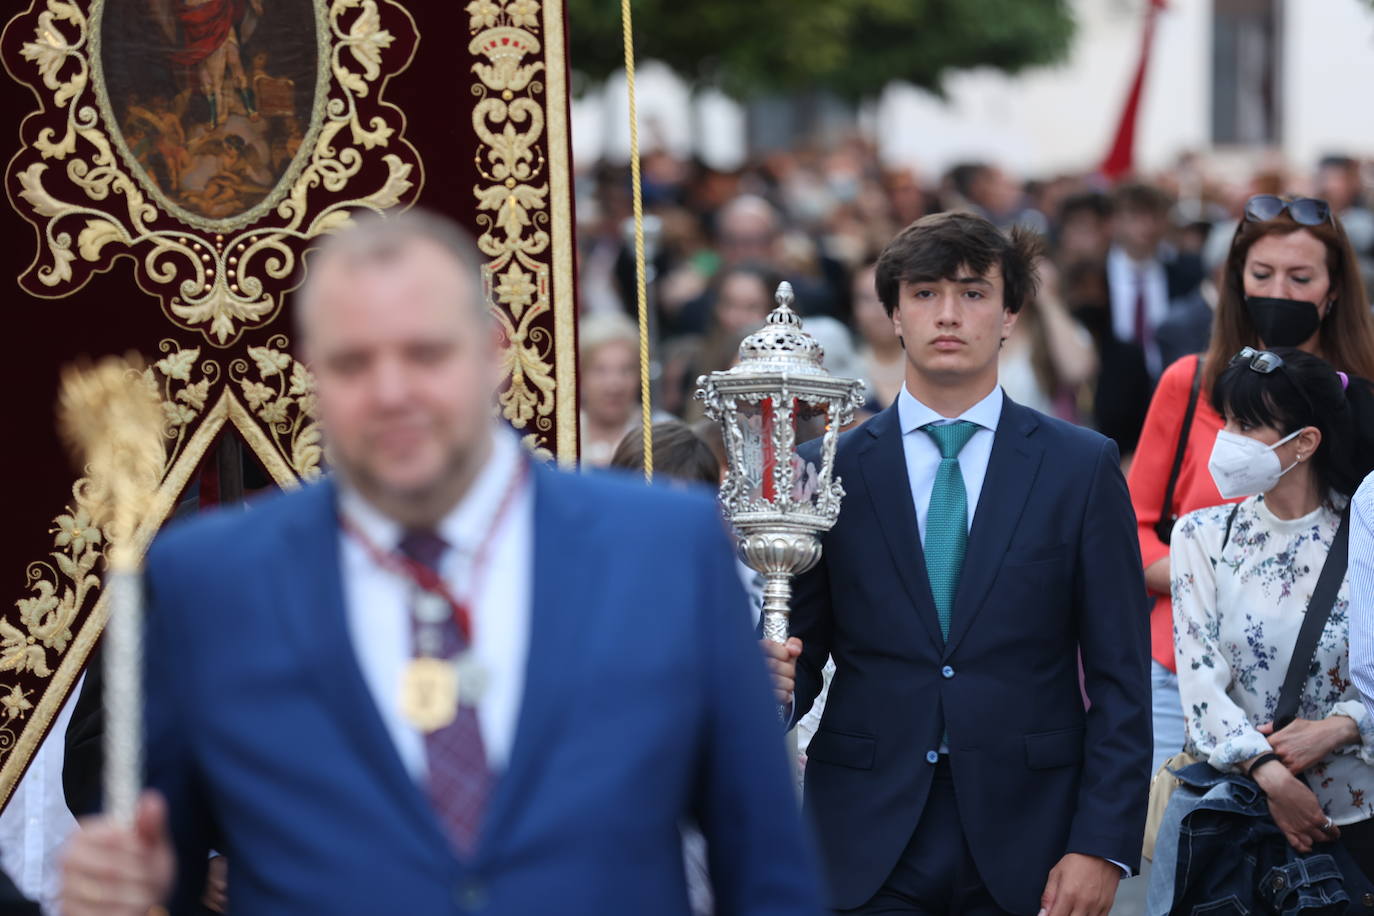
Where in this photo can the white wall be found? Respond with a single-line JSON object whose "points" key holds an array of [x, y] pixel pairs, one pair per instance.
{"points": [[1328, 51], [1063, 118]]}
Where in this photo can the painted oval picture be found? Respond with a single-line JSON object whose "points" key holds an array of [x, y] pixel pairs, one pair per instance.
{"points": [[214, 104]]}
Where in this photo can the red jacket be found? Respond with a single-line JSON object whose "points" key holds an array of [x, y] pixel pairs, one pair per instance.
{"points": [[1149, 478]]}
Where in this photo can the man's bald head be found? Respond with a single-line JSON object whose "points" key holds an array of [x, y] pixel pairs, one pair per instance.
{"points": [[377, 244]]}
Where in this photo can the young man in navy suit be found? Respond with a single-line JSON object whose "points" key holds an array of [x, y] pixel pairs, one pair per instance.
{"points": [[981, 548], [446, 680]]}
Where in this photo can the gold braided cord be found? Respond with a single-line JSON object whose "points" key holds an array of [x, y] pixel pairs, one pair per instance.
{"points": [[641, 288]]}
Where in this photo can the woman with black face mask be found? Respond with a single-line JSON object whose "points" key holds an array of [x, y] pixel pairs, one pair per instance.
{"points": [[1290, 280]]}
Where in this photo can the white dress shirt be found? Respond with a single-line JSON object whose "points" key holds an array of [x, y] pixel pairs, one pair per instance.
{"points": [[1360, 575], [379, 602], [36, 822], [1124, 280], [923, 455]]}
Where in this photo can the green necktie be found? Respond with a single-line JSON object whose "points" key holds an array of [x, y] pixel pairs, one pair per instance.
{"points": [[947, 521]]}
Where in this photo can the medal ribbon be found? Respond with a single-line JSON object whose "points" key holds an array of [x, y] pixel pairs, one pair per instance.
{"points": [[428, 579]]}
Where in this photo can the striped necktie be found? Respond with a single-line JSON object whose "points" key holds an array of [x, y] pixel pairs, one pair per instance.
{"points": [[459, 780]]}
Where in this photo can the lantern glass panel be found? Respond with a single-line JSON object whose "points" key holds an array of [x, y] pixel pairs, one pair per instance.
{"points": [[810, 421], [756, 431]]}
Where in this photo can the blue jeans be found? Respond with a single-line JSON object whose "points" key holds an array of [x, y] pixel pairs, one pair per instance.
{"points": [[1167, 710]]}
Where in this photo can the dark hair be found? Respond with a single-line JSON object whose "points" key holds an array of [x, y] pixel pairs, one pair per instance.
{"points": [[965, 175], [759, 270], [936, 247], [1337, 161], [679, 453], [1304, 391], [1346, 337], [1091, 203], [1137, 197]]}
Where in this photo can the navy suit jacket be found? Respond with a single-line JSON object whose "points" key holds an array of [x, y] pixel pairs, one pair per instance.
{"points": [[646, 703], [1053, 566]]}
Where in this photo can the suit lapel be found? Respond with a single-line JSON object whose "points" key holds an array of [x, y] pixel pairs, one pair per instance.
{"points": [[310, 580], [883, 463], [1010, 475], [561, 610]]}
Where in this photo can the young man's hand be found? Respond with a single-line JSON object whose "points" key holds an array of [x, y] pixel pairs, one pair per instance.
{"points": [[782, 664], [1080, 886]]}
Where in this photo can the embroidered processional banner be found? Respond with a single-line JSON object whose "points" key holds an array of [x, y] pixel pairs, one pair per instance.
{"points": [[174, 163]]}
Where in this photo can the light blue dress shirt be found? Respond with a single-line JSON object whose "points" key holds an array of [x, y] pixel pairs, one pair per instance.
{"points": [[923, 456]]}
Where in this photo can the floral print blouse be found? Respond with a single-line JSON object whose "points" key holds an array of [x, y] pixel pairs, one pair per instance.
{"points": [[1237, 612]]}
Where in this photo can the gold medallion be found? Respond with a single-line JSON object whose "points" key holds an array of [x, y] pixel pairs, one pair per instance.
{"points": [[429, 693]]}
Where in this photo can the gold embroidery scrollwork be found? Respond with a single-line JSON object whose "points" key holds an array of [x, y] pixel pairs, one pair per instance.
{"points": [[183, 399], [512, 202], [279, 392], [211, 276], [282, 395]]}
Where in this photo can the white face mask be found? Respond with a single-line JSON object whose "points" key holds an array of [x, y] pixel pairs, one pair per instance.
{"points": [[1242, 466]]}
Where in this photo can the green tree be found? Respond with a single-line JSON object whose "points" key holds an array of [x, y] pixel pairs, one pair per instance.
{"points": [[852, 47]]}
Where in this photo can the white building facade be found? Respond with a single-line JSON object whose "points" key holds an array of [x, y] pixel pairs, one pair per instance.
{"points": [[1242, 77]]}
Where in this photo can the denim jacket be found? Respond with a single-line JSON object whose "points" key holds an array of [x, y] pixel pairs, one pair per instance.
{"points": [[1220, 852]]}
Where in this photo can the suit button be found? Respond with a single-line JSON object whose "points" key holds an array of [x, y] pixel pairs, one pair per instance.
{"points": [[932, 757], [947, 672], [470, 896], [1368, 901]]}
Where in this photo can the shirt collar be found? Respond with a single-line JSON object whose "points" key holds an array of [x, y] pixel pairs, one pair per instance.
{"points": [[466, 524], [1119, 259], [912, 414]]}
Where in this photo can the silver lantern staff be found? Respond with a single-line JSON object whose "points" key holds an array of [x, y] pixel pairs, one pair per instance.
{"points": [[779, 394], [115, 425]]}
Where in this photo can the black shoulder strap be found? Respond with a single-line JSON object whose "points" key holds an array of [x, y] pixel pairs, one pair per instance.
{"points": [[1230, 522], [1318, 611], [1165, 527]]}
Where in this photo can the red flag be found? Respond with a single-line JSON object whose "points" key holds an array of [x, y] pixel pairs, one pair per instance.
{"points": [[1121, 159]]}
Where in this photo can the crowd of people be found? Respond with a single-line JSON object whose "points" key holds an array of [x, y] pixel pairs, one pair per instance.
{"points": [[1129, 286], [1220, 334], [445, 696]]}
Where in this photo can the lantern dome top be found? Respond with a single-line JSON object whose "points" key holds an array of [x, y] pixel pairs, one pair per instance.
{"points": [[782, 340]]}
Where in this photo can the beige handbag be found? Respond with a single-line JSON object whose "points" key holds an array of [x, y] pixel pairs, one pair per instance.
{"points": [[1161, 790]]}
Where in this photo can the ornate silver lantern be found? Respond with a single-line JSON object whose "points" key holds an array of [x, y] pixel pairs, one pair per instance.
{"points": [[779, 394]]}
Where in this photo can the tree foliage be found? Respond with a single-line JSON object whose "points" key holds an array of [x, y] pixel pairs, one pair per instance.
{"points": [[852, 47]]}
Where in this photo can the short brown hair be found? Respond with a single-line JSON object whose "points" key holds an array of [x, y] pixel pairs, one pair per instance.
{"points": [[679, 453], [935, 247], [1346, 336], [1138, 197]]}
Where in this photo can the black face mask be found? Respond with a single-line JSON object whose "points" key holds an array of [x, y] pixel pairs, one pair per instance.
{"points": [[1282, 322]]}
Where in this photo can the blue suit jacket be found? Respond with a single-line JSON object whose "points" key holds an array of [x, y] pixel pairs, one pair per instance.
{"points": [[646, 702], [1052, 567]]}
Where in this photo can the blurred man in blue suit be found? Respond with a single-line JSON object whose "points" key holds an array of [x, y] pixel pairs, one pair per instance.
{"points": [[980, 549], [446, 680]]}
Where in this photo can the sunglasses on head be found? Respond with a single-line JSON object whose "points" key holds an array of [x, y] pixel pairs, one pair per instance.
{"points": [[1306, 211], [1267, 363], [1262, 361]]}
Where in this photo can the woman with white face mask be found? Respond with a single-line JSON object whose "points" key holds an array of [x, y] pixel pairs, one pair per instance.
{"points": [[1243, 577]]}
